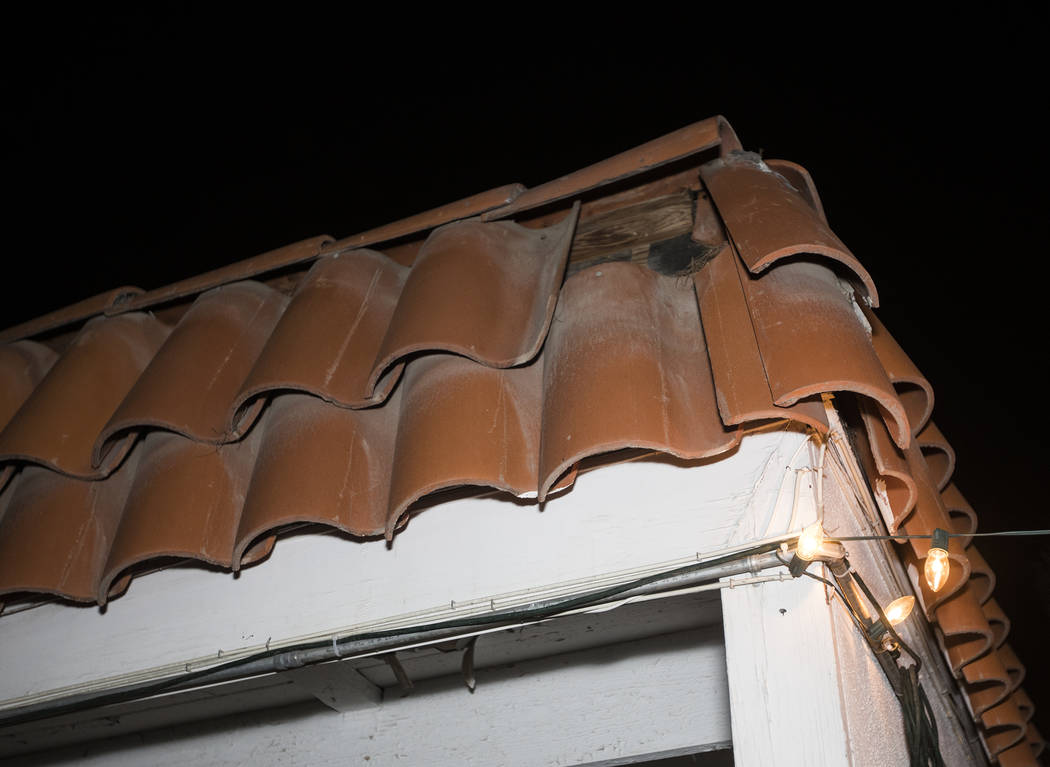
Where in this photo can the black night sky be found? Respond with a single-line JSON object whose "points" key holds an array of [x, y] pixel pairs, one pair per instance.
{"points": [[139, 149]]}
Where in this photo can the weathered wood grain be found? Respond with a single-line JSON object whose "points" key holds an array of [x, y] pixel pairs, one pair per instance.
{"points": [[632, 227]]}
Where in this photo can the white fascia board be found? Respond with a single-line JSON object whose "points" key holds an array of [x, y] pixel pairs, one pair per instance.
{"points": [[602, 707], [630, 516]]}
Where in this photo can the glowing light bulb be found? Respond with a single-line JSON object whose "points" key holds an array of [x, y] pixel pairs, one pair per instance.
{"points": [[810, 541], [899, 609], [938, 566]]}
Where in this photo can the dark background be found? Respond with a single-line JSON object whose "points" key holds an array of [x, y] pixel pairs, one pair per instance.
{"points": [[145, 147]]}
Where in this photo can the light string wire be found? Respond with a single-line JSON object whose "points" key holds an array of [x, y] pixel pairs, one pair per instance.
{"points": [[512, 615], [926, 536], [920, 724]]}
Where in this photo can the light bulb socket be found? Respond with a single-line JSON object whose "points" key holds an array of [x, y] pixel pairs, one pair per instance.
{"points": [[876, 631], [940, 539], [797, 566]]}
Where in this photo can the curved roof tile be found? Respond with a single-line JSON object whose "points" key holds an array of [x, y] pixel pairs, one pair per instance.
{"points": [[768, 219], [193, 378], [483, 290], [939, 455], [328, 339], [22, 365], [377, 384], [741, 389], [803, 321], [58, 425], [913, 390]]}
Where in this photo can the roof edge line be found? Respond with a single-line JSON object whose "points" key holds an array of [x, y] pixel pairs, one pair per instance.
{"points": [[671, 147], [117, 301], [493, 204], [81, 310]]}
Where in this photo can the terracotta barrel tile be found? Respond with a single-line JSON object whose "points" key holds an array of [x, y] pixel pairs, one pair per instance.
{"points": [[22, 365], [56, 531], [962, 515], [185, 501], [1019, 755], [928, 493], [769, 220], [1024, 704], [998, 620], [465, 424], [707, 226], [802, 182], [509, 380], [928, 515], [914, 391], [190, 385], [483, 290], [1002, 727], [318, 463], [741, 389], [967, 635], [327, 341], [939, 455], [987, 682], [1013, 666], [894, 474], [982, 577], [625, 366], [811, 340], [59, 423], [1035, 740]]}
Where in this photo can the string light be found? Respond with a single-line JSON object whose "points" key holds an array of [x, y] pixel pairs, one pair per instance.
{"points": [[938, 566], [810, 542], [899, 609]]}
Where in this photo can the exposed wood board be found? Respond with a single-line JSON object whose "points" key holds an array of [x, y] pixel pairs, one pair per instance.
{"points": [[613, 705], [783, 676], [617, 230], [621, 516], [636, 255], [687, 180]]}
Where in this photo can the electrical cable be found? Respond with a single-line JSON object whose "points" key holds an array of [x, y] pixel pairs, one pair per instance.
{"points": [[330, 649], [927, 536], [788, 469], [882, 616], [835, 587], [920, 725]]}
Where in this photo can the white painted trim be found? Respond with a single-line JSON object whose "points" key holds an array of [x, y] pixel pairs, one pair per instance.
{"points": [[609, 706], [334, 685], [783, 676]]}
